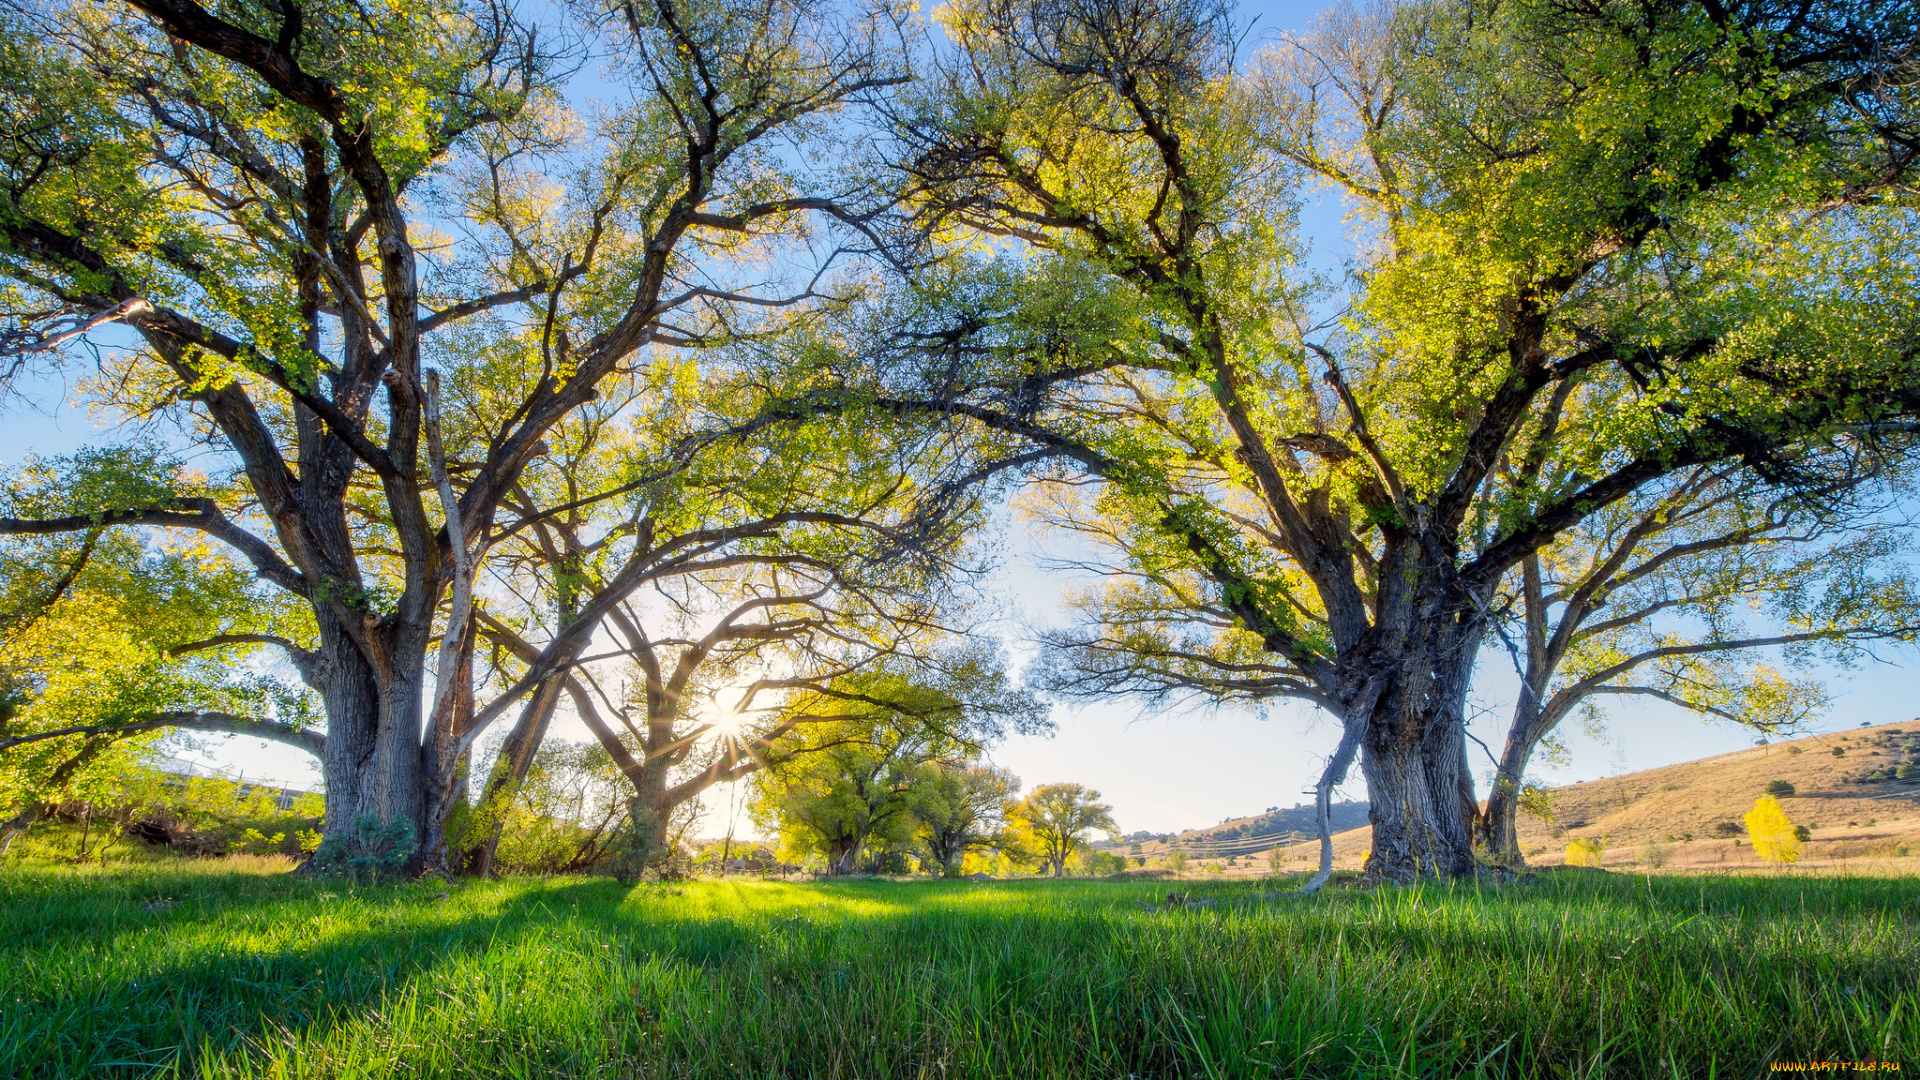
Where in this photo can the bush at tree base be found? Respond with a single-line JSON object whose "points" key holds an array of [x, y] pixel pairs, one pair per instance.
{"points": [[375, 850]]}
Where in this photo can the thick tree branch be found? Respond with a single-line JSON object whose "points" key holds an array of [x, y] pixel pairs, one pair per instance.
{"points": [[202, 514], [313, 742]]}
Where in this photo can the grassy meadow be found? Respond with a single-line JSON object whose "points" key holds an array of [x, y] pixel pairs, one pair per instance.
{"points": [[231, 969]]}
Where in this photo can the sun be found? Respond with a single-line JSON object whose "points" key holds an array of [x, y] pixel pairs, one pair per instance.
{"points": [[725, 720]]}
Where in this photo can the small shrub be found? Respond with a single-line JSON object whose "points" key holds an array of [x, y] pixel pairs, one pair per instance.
{"points": [[1655, 855], [1177, 861], [1774, 837], [1839, 751], [1724, 829], [1587, 852], [1779, 789], [1802, 833], [1796, 749], [255, 842], [375, 849]]}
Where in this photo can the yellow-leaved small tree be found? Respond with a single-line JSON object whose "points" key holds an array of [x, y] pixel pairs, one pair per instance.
{"points": [[1772, 834], [1587, 852]]}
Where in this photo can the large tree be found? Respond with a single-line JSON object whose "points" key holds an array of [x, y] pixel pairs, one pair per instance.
{"points": [[857, 756], [965, 806], [1060, 817], [776, 560], [300, 211], [705, 677], [1706, 592], [1597, 244]]}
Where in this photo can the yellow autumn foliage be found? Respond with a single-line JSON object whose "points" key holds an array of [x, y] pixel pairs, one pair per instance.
{"points": [[1586, 852], [1772, 834]]}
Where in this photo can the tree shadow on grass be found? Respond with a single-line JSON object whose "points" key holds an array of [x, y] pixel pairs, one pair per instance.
{"points": [[142, 972]]}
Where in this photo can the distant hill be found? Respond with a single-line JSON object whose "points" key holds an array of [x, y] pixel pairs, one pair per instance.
{"points": [[1248, 835], [1862, 814], [1861, 807], [1300, 819]]}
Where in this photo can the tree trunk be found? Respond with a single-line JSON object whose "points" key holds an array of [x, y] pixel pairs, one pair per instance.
{"points": [[373, 761], [508, 772], [1420, 828], [948, 849], [404, 784], [649, 813], [1413, 749], [1499, 829], [647, 842], [442, 763]]}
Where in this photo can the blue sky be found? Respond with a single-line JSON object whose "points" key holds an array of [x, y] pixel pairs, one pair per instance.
{"points": [[1161, 769]]}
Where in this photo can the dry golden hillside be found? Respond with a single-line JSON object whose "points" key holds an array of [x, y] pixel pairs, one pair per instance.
{"points": [[1674, 818]]}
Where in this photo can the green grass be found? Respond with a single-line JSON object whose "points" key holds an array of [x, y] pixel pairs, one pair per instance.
{"points": [[1573, 974]]}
